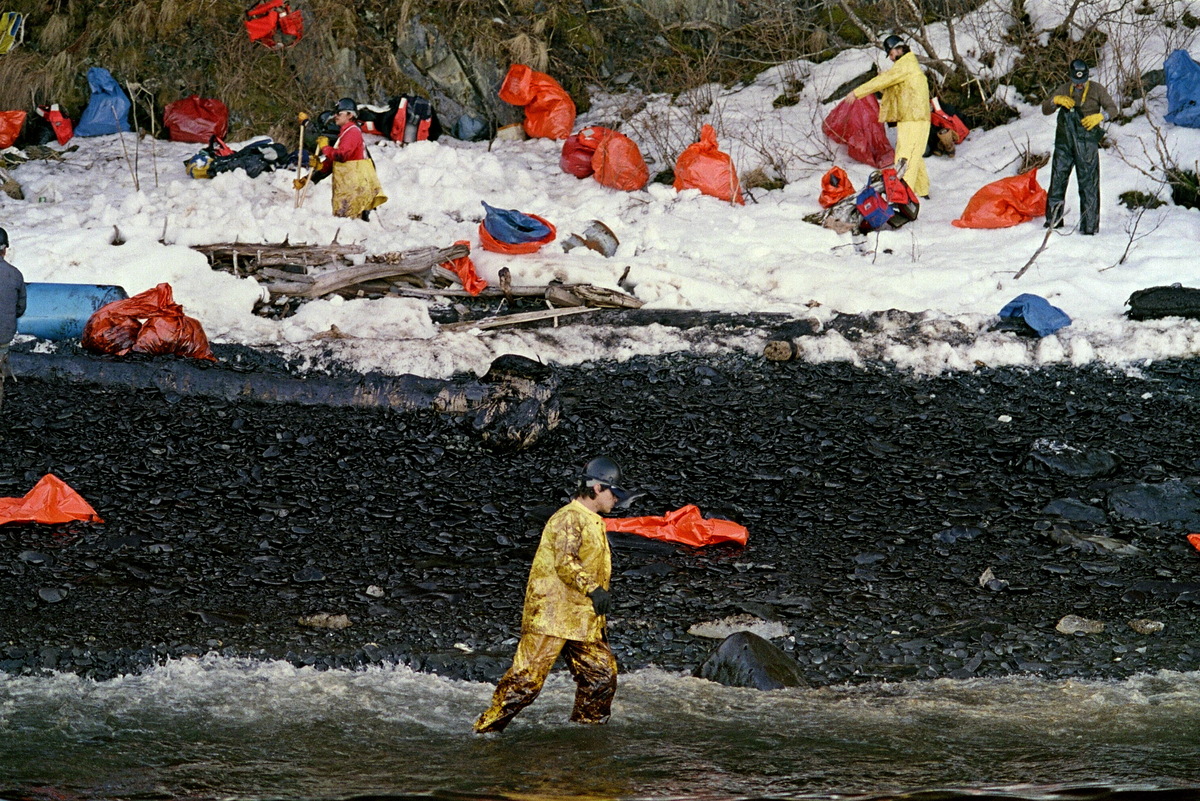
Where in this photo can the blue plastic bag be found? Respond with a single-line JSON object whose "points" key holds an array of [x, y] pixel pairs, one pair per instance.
{"points": [[108, 110], [513, 227], [1183, 89], [1037, 313]]}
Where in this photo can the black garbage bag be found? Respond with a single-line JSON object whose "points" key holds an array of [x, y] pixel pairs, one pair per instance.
{"points": [[1164, 301], [255, 158]]}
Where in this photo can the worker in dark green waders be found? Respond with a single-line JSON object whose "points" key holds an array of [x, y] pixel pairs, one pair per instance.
{"points": [[1079, 103], [566, 600]]}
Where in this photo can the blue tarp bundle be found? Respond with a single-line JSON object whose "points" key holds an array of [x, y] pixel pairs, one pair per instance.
{"points": [[1037, 313], [512, 226], [108, 110], [1183, 89]]}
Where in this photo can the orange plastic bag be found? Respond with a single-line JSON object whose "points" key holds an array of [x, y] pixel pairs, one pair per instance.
{"points": [[618, 164], [50, 501], [703, 166], [856, 125], [549, 110], [149, 322], [1005, 203], [464, 268], [11, 123], [835, 186], [1194, 539], [489, 242], [685, 526]]}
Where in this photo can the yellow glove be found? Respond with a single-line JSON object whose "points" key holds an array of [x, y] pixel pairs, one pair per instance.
{"points": [[323, 141], [298, 183], [1092, 120], [1066, 102]]}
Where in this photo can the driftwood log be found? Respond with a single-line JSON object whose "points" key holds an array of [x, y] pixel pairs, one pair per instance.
{"points": [[416, 262], [510, 408]]}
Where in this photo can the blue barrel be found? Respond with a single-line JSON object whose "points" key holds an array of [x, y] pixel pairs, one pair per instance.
{"points": [[59, 311]]}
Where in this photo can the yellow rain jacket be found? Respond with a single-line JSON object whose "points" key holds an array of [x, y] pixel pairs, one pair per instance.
{"points": [[905, 91], [356, 188], [572, 560]]}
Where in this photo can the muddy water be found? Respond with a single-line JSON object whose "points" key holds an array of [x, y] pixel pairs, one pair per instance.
{"points": [[221, 728]]}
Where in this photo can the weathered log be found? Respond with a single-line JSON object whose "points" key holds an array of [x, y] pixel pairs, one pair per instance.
{"points": [[516, 319], [511, 407], [414, 263], [255, 256], [589, 295]]}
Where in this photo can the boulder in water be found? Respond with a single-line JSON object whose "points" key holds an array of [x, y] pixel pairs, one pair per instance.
{"points": [[744, 659]]}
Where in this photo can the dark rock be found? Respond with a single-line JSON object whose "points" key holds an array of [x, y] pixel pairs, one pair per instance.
{"points": [[1171, 501], [1073, 509], [1069, 460], [747, 660]]}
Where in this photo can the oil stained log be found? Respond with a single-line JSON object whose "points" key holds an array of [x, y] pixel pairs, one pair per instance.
{"points": [[511, 407]]}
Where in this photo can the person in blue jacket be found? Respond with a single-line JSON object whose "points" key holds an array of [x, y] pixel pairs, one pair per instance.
{"points": [[12, 306]]}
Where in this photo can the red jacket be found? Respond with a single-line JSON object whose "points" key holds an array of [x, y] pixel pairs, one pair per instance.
{"points": [[348, 147]]}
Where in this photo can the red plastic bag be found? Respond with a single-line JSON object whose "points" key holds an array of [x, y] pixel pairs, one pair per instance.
{"points": [[50, 501], [196, 119], [685, 526], [618, 164], [835, 186], [703, 166], [1194, 540], [489, 242], [549, 110], [1005, 203], [951, 122], [149, 322], [464, 268], [61, 123], [11, 123], [265, 18], [578, 150], [856, 124]]}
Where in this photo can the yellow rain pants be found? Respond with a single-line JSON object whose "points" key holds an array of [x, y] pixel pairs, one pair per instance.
{"points": [[356, 188], [911, 139], [592, 664]]}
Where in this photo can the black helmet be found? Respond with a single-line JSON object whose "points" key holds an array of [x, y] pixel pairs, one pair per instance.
{"points": [[1079, 70], [891, 42], [3, 239], [347, 104], [603, 473]]}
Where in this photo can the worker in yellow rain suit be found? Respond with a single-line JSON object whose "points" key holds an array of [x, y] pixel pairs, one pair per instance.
{"points": [[356, 189], [905, 102], [566, 600]]}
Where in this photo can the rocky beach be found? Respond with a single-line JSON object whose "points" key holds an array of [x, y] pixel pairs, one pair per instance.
{"points": [[999, 522]]}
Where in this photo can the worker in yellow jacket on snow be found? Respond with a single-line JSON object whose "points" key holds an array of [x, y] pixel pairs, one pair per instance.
{"points": [[905, 102]]}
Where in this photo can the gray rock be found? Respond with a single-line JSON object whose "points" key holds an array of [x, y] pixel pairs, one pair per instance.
{"points": [[1073, 624], [1169, 502], [747, 660]]}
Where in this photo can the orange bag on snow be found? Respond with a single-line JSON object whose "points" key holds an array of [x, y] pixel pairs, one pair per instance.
{"points": [[149, 322], [856, 125], [618, 164], [685, 526], [835, 186], [703, 166], [1005, 203], [50, 501], [11, 123], [549, 110], [464, 268]]}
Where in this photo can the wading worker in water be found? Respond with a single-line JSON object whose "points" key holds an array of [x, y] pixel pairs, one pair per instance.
{"points": [[566, 600], [905, 102], [1080, 105]]}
